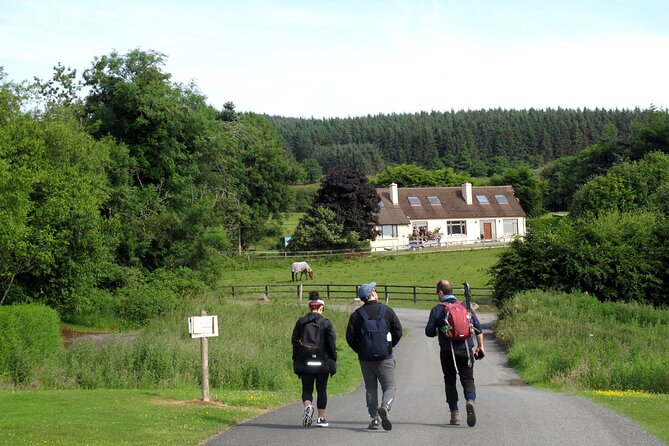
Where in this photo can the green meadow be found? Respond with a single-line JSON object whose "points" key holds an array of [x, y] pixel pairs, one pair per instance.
{"points": [[92, 393]]}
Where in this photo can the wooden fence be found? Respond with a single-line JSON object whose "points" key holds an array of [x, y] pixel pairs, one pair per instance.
{"points": [[346, 292]]}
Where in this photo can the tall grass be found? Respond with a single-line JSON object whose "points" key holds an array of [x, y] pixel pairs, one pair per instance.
{"points": [[252, 352], [577, 342]]}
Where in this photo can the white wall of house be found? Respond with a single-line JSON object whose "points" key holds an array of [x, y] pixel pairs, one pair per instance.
{"points": [[476, 230]]}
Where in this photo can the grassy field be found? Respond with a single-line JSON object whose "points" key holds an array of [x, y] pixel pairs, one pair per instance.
{"points": [[423, 269]]}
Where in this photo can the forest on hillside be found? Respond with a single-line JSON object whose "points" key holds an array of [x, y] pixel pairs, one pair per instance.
{"points": [[480, 142]]}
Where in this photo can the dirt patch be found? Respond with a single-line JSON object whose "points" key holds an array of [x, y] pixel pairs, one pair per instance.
{"points": [[72, 336], [216, 404]]}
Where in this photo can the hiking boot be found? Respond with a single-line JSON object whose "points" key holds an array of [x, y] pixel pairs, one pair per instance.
{"points": [[385, 422], [455, 417], [308, 417], [322, 422], [471, 414], [374, 424]]}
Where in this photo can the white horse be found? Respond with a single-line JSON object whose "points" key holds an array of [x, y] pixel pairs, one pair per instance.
{"points": [[302, 268]]}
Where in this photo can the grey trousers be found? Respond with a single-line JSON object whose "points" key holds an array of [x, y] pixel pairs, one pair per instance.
{"points": [[375, 373]]}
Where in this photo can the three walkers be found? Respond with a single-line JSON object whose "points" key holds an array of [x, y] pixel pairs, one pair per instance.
{"points": [[373, 331]]}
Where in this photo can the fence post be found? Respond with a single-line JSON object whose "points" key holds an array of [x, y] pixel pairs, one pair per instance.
{"points": [[267, 291], [327, 291], [233, 292], [385, 291], [299, 292], [414, 295]]}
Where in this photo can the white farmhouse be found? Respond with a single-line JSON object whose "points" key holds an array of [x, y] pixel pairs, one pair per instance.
{"points": [[428, 216]]}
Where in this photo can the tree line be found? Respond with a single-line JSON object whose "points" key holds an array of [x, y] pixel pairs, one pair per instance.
{"points": [[480, 142]]}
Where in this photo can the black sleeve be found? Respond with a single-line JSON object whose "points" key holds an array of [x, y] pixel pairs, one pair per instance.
{"points": [[295, 338], [395, 326], [331, 341], [352, 333], [431, 327]]}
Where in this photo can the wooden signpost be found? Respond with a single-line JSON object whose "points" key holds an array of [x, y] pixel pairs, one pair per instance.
{"points": [[203, 327]]}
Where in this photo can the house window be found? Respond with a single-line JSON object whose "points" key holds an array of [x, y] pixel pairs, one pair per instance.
{"points": [[433, 200], [482, 199], [456, 227], [501, 199], [510, 227], [414, 201], [388, 231]]}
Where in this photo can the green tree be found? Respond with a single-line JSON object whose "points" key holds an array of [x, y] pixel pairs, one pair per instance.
{"points": [[55, 245], [614, 256], [194, 181], [528, 188], [626, 187], [321, 229], [354, 201]]}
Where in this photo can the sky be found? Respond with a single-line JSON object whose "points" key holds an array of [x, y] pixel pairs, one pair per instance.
{"points": [[347, 58]]}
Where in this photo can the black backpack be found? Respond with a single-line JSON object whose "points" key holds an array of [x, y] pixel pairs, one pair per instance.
{"points": [[311, 343], [374, 341]]}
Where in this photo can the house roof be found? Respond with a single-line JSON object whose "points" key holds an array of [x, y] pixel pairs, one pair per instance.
{"points": [[451, 205]]}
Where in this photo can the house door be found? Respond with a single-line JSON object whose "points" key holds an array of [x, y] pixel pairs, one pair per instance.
{"points": [[487, 231]]}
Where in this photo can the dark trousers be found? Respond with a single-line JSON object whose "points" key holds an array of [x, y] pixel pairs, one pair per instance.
{"points": [[321, 388], [450, 376]]}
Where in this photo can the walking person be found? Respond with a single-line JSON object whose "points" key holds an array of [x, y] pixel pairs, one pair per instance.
{"points": [[314, 358], [373, 330], [457, 356]]}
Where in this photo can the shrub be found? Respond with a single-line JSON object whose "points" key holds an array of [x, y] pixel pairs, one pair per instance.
{"points": [[157, 294], [613, 256], [29, 336]]}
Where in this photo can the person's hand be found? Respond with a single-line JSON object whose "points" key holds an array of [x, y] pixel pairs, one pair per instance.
{"points": [[479, 353]]}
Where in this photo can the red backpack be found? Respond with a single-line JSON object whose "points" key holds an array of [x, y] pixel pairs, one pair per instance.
{"points": [[458, 321]]}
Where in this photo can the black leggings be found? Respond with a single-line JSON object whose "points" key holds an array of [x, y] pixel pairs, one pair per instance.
{"points": [[321, 389]]}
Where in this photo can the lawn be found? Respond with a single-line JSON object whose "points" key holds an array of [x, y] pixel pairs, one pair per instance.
{"points": [[419, 269]]}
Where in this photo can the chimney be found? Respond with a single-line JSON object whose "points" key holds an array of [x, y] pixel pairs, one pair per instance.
{"points": [[467, 192], [393, 193]]}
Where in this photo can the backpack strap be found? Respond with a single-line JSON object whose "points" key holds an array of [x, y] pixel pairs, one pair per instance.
{"points": [[365, 316]]}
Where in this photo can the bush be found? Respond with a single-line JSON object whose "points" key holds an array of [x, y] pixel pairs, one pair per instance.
{"points": [[613, 256], [29, 336], [157, 294]]}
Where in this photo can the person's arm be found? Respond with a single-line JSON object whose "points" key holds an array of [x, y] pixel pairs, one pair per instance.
{"points": [[431, 327], [352, 336], [295, 338], [479, 353], [331, 339], [395, 326]]}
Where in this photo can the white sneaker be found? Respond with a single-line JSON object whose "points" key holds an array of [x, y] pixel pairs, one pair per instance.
{"points": [[322, 422], [308, 417]]}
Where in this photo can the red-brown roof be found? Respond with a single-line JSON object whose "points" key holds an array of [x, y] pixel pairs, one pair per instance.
{"points": [[452, 204]]}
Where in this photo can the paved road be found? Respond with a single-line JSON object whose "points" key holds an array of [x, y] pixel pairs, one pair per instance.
{"points": [[508, 412]]}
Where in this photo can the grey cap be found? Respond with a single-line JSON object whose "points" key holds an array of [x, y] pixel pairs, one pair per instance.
{"points": [[365, 290]]}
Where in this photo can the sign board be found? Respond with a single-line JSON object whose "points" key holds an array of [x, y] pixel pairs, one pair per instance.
{"points": [[203, 326]]}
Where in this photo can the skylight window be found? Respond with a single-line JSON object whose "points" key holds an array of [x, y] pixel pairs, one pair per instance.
{"points": [[433, 200], [501, 199], [414, 201], [482, 199]]}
